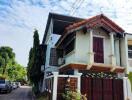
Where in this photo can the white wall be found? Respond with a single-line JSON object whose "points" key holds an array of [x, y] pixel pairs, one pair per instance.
{"points": [[70, 58], [51, 39], [128, 65], [127, 89], [82, 46]]}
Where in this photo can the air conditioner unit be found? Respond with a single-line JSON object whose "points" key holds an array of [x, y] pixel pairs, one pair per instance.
{"points": [[61, 61]]}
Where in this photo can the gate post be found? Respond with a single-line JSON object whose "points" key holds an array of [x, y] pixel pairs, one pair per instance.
{"points": [[79, 82], [127, 89], [54, 94]]}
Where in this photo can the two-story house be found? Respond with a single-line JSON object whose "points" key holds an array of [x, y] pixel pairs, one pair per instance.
{"points": [[95, 53]]}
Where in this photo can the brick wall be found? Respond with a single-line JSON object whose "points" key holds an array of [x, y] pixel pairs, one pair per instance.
{"points": [[62, 81]]}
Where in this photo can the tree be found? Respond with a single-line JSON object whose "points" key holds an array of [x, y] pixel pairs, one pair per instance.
{"points": [[34, 63], [6, 56], [130, 78], [9, 68]]}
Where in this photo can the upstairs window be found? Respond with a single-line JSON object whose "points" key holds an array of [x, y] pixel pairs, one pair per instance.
{"points": [[129, 42], [70, 47], [130, 51], [55, 54], [69, 43]]}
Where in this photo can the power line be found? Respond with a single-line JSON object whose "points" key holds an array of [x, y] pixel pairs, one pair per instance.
{"points": [[73, 6], [79, 4]]}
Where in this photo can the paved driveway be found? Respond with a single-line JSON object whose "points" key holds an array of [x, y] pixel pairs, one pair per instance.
{"points": [[22, 93]]}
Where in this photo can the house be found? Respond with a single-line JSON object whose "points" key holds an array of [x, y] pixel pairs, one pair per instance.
{"points": [[94, 53]]}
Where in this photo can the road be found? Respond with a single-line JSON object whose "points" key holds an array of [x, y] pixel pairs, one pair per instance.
{"points": [[22, 93]]}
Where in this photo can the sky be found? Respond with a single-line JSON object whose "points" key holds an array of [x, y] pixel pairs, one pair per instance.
{"points": [[19, 18]]}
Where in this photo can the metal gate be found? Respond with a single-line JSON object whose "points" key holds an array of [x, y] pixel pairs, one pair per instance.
{"points": [[102, 89]]}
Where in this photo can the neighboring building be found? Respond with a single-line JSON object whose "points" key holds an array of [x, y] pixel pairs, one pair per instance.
{"points": [[94, 53]]}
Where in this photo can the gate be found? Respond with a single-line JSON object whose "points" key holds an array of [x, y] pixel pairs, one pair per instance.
{"points": [[102, 89]]}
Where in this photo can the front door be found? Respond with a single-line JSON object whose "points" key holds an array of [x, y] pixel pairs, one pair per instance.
{"points": [[98, 50]]}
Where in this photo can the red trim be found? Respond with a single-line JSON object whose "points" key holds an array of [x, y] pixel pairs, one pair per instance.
{"points": [[119, 70], [95, 19], [96, 68], [100, 20], [73, 66], [100, 69]]}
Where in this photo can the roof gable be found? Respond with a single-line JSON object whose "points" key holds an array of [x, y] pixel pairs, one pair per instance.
{"points": [[99, 20]]}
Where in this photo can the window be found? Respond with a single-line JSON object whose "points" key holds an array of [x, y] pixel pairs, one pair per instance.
{"points": [[70, 47], [130, 51], [54, 55]]}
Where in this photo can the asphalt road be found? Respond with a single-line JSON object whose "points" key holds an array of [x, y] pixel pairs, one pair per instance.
{"points": [[22, 93]]}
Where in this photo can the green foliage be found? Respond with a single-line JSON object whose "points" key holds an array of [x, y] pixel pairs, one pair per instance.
{"points": [[6, 56], [34, 63], [43, 96], [9, 68], [73, 95], [130, 78]]}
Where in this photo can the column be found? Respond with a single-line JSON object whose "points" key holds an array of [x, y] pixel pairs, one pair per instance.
{"points": [[91, 54], [112, 56], [79, 82], [54, 94], [127, 89], [126, 54]]}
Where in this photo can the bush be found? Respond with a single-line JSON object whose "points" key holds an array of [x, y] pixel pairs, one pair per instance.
{"points": [[43, 96], [73, 95], [130, 78]]}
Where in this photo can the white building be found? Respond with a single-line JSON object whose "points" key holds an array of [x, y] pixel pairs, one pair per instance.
{"points": [[95, 53]]}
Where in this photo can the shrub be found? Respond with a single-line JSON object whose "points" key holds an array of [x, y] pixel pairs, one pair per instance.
{"points": [[73, 95]]}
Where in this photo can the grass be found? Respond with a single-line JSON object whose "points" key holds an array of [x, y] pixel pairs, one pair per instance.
{"points": [[42, 96], [130, 78]]}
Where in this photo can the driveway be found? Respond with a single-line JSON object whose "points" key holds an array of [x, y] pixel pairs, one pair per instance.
{"points": [[22, 93]]}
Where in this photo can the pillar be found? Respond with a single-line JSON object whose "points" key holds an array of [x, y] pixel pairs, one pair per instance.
{"points": [[54, 94], [79, 82], [90, 53], [112, 56], [127, 89]]}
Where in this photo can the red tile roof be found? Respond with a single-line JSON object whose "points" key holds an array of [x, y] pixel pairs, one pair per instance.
{"points": [[101, 20], [96, 19]]}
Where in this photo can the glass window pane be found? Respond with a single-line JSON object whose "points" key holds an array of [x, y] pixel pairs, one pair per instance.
{"points": [[130, 54], [129, 47]]}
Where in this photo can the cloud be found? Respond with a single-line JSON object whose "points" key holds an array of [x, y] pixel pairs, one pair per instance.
{"points": [[19, 18]]}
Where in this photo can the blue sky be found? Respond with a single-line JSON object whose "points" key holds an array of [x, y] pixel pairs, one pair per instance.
{"points": [[19, 18]]}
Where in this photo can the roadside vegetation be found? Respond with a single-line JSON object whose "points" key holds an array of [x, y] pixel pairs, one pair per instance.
{"points": [[9, 68], [130, 78], [34, 64]]}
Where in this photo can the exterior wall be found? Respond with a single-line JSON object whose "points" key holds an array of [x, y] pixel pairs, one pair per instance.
{"points": [[129, 61], [70, 58], [50, 41], [62, 85], [125, 60], [49, 44], [82, 48]]}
